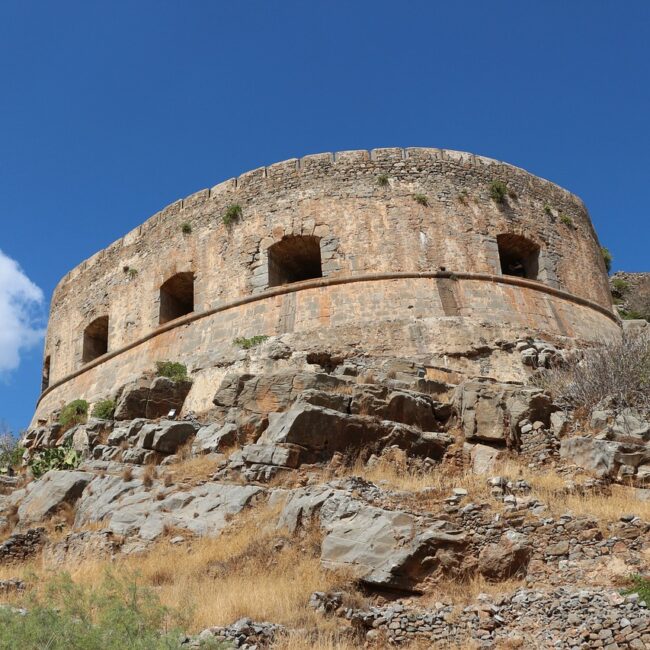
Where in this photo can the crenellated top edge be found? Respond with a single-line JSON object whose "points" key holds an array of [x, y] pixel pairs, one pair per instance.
{"points": [[270, 172]]}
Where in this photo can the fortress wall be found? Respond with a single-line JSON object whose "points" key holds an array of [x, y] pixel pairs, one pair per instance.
{"points": [[439, 321]]}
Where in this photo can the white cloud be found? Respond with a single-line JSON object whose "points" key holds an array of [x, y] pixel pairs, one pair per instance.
{"points": [[21, 302]]}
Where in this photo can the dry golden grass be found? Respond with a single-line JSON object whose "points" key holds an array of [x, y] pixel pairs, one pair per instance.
{"points": [[191, 470], [462, 592], [550, 488], [247, 571]]}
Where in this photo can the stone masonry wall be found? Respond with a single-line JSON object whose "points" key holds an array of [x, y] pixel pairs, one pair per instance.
{"points": [[364, 227]]}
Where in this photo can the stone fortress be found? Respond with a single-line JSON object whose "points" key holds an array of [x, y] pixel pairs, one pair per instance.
{"points": [[390, 253]]}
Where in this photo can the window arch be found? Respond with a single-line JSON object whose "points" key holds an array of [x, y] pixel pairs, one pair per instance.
{"points": [[294, 258], [518, 256], [176, 297], [95, 341]]}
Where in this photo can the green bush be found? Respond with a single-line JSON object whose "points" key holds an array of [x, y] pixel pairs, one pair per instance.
{"points": [[548, 209], [566, 220], [247, 344], [11, 453], [620, 285], [104, 409], [171, 369], [130, 271], [186, 228], [76, 412], [232, 213], [382, 180], [607, 256], [118, 614], [421, 199], [498, 191], [62, 457], [641, 586]]}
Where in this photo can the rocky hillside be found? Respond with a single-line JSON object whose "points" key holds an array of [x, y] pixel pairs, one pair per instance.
{"points": [[631, 293], [354, 502]]}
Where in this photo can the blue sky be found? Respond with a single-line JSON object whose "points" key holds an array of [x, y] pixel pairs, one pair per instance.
{"points": [[111, 110]]}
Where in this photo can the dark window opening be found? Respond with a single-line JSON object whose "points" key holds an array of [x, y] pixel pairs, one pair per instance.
{"points": [[518, 256], [95, 339], [177, 297], [45, 379], [294, 259]]}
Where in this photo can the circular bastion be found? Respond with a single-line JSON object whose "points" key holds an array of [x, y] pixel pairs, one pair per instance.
{"points": [[440, 257]]}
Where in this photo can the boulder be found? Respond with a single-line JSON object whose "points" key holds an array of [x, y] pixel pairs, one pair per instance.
{"points": [[215, 437], [490, 411], [484, 459], [604, 457], [50, 492], [151, 398], [279, 455], [166, 436], [508, 558], [385, 548]]}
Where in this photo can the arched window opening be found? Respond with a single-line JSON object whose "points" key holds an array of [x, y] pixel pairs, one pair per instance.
{"points": [[293, 259], [177, 297], [518, 256], [45, 378], [95, 339]]}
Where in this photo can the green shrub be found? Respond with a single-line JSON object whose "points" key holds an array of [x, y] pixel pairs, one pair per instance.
{"points": [[566, 220], [620, 285], [62, 457], [421, 199], [632, 314], [607, 256], [232, 213], [104, 409], [171, 369], [641, 586], [130, 271], [548, 209], [498, 191], [11, 453], [382, 180], [186, 228], [76, 412], [247, 344], [115, 615]]}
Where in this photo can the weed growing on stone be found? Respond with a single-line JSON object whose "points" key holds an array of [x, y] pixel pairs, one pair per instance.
{"points": [[607, 257], [382, 180], [172, 370], [566, 220], [186, 228], [76, 412], [104, 409], [233, 213], [498, 191], [253, 341], [421, 199], [548, 209]]}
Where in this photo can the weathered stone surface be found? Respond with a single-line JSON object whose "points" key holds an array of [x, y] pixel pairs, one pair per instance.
{"points": [[166, 436], [215, 437], [388, 548], [280, 455], [506, 559], [484, 458], [490, 411], [50, 492], [129, 508], [151, 398], [604, 457]]}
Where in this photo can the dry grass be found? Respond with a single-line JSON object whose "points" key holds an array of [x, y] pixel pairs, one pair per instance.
{"points": [[247, 571], [550, 488], [191, 470], [461, 593]]}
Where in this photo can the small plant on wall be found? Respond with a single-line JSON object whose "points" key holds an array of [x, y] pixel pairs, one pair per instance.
{"points": [[566, 220], [186, 228], [382, 180], [498, 191], [253, 341], [421, 199], [233, 213], [130, 272]]}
